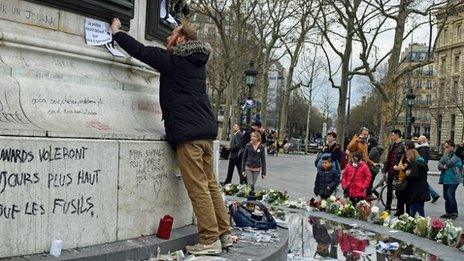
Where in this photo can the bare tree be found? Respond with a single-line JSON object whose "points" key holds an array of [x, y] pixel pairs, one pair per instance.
{"points": [[311, 63], [371, 25], [231, 19], [269, 22], [294, 43], [337, 24]]}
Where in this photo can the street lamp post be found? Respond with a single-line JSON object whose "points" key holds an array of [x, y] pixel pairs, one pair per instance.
{"points": [[410, 97], [250, 74]]}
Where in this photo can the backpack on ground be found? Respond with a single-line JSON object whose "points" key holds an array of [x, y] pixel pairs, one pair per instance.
{"points": [[243, 217]]}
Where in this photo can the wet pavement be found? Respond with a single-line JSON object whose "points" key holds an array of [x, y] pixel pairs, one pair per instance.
{"points": [[315, 238]]}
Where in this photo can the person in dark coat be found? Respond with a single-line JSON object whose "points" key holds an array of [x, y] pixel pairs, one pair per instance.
{"points": [[333, 148], [235, 155], [327, 179], [424, 151], [255, 126], [375, 153], [189, 123], [417, 182], [395, 153]]}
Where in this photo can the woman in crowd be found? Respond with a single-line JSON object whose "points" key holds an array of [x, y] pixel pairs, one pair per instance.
{"points": [[418, 188], [450, 166], [356, 178], [375, 152], [254, 159], [400, 182]]}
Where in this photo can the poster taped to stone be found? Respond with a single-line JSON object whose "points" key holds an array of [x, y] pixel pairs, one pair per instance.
{"points": [[97, 32]]}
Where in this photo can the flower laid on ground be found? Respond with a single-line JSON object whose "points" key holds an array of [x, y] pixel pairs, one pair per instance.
{"points": [[299, 203], [363, 210], [347, 210], [275, 197], [230, 189], [323, 205], [334, 207], [314, 203], [405, 223], [449, 235], [422, 226], [437, 226], [244, 190]]}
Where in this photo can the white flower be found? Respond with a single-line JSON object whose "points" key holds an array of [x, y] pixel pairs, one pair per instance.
{"points": [[323, 204], [375, 209], [332, 198]]}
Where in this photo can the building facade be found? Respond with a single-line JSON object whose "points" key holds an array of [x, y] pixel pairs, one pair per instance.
{"points": [[447, 99], [421, 83], [276, 82]]}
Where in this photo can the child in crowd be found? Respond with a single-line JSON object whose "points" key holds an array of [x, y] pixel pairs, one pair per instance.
{"points": [[327, 179]]}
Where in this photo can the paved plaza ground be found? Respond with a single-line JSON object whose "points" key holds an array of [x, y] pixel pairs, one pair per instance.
{"points": [[296, 175]]}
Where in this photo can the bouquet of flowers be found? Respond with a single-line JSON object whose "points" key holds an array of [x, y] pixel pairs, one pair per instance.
{"points": [[275, 197], [323, 205], [299, 203], [260, 194], [334, 207], [347, 210], [314, 203], [375, 214], [405, 223], [437, 226], [363, 210], [230, 189], [422, 226], [244, 190], [449, 235]]}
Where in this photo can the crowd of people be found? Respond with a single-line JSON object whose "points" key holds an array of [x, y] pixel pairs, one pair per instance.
{"points": [[404, 172], [247, 154]]}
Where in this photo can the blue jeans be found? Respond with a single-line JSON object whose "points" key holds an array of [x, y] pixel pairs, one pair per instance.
{"points": [[449, 194], [432, 192], [417, 207]]}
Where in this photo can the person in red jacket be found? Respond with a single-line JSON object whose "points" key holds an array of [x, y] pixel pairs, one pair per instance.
{"points": [[356, 179], [351, 247]]}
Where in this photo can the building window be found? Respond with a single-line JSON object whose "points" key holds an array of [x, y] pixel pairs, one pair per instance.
{"points": [[453, 126], [428, 99], [418, 83], [416, 131], [457, 63], [454, 91], [443, 66], [429, 84], [445, 36], [427, 131], [458, 32]]}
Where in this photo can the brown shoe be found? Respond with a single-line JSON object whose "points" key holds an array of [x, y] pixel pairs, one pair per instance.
{"points": [[200, 249]]}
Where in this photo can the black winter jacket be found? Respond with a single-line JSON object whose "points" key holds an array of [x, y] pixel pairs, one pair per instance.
{"points": [[254, 158], [417, 181], [326, 182], [424, 151], [185, 105]]}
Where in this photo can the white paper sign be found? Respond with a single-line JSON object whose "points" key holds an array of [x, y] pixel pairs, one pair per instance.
{"points": [[97, 32], [113, 50]]}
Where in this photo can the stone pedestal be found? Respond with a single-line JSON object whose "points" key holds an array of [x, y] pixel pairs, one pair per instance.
{"points": [[81, 151]]}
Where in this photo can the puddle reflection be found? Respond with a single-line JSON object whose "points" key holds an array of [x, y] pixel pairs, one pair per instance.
{"points": [[317, 238]]}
